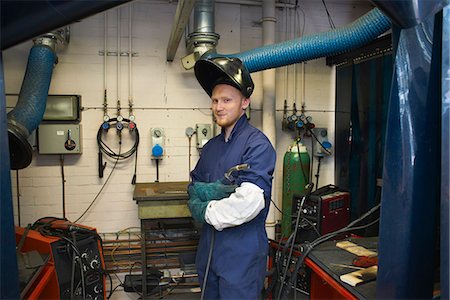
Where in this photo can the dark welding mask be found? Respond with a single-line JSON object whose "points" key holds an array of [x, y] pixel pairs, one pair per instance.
{"points": [[223, 70]]}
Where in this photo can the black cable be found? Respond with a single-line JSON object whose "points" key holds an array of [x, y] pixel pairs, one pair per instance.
{"points": [[143, 281], [330, 20], [61, 159], [111, 153], [113, 290], [72, 280], [157, 170], [309, 188], [18, 196], [133, 181], [208, 264], [308, 247], [103, 186], [318, 171]]}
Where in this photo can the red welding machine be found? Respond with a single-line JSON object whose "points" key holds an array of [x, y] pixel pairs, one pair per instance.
{"points": [[326, 210], [60, 260]]}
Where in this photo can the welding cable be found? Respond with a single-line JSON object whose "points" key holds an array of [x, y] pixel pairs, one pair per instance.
{"points": [[208, 264], [309, 247], [18, 196], [103, 186], [309, 188], [72, 280], [83, 284], [63, 178]]}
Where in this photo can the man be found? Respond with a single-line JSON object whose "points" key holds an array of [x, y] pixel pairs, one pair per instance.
{"points": [[234, 222]]}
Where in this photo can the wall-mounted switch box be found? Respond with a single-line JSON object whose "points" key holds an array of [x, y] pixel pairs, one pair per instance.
{"points": [[322, 146], [204, 134], [59, 139], [157, 142]]}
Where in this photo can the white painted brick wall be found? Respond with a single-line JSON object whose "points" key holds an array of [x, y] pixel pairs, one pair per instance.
{"points": [[165, 95]]}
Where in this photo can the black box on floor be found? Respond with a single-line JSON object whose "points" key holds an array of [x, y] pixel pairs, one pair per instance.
{"points": [[133, 283]]}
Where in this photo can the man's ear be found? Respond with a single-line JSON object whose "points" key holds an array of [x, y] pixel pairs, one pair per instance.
{"points": [[245, 103]]}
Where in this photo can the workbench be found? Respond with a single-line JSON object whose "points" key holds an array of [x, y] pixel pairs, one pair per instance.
{"points": [[326, 264], [168, 233]]}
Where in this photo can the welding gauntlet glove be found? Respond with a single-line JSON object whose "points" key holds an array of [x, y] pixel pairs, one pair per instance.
{"points": [[216, 190], [200, 193], [196, 206]]}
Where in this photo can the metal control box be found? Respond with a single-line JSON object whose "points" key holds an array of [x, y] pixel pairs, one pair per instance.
{"points": [[204, 134], [59, 139]]}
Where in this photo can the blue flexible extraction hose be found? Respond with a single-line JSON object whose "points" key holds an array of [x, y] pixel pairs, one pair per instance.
{"points": [[30, 107], [333, 42]]}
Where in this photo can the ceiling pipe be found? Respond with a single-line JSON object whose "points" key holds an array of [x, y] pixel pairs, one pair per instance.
{"points": [[269, 95], [203, 38]]}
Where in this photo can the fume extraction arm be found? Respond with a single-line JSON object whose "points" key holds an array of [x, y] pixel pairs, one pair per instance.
{"points": [[30, 107]]}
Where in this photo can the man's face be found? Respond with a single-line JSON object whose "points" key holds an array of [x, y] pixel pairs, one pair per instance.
{"points": [[228, 105]]}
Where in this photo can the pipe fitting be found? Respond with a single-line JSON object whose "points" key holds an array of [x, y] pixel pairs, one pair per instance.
{"points": [[56, 39]]}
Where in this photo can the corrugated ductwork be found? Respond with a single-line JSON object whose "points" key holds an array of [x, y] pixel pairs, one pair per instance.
{"points": [[30, 107], [354, 35]]}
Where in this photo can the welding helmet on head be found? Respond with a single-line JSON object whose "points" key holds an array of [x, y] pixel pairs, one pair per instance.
{"points": [[223, 70]]}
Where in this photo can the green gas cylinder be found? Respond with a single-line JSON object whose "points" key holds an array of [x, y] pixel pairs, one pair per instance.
{"points": [[295, 179]]}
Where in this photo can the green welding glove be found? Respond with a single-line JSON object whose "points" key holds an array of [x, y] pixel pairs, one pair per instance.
{"points": [[216, 190], [196, 206]]}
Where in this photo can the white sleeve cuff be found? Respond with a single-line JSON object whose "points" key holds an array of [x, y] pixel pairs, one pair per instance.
{"points": [[242, 206]]}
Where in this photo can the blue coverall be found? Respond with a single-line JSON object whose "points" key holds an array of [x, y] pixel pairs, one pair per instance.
{"points": [[239, 259]]}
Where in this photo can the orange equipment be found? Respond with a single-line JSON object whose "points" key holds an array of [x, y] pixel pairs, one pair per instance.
{"points": [[66, 261]]}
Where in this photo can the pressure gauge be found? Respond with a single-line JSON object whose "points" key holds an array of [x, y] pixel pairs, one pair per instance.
{"points": [[190, 131]]}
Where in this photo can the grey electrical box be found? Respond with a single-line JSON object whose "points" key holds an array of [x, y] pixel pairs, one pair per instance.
{"points": [[59, 139], [321, 144], [204, 134]]}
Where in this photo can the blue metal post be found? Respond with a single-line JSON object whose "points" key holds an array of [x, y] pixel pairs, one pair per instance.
{"points": [[445, 155], [411, 181], [9, 276]]}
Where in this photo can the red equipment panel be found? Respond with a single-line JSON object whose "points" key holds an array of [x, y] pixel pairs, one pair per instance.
{"points": [[335, 211]]}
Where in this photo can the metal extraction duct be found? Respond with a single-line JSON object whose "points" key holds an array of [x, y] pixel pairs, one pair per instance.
{"points": [[202, 39]]}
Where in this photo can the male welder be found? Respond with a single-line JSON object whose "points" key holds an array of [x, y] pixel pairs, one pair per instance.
{"points": [[233, 210]]}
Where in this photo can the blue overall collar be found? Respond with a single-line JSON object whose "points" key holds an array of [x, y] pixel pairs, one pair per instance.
{"points": [[241, 123]]}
